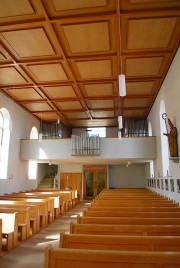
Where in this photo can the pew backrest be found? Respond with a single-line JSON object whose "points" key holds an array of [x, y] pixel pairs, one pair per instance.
{"points": [[128, 220], [0, 235], [117, 242], [137, 230], [55, 258], [136, 214], [134, 209]]}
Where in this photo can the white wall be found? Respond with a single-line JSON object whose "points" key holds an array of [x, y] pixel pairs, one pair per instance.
{"points": [[127, 177], [71, 168], [22, 122], [170, 93]]}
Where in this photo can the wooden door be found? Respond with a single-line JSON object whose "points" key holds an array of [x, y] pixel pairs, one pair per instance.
{"points": [[73, 180]]}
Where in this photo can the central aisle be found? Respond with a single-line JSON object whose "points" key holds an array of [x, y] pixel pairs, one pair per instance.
{"points": [[31, 252]]}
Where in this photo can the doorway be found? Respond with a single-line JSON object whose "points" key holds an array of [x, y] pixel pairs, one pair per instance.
{"points": [[95, 180]]}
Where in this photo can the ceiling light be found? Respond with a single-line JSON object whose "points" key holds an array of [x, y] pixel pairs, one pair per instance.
{"points": [[120, 122], [122, 85], [40, 137], [119, 135]]}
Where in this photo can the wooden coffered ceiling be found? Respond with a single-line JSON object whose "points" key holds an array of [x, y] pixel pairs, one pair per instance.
{"points": [[61, 58]]}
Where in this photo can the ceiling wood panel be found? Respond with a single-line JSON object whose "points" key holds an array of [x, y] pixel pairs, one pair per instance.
{"points": [[9, 75], [99, 90], [76, 4], [61, 58], [21, 94], [29, 42], [48, 72], [12, 8], [61, 92], [92, 37], [150, 33], [94, 69]]}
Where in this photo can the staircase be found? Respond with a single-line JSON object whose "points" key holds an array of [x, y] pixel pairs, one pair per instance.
{"points": [[46, 183]]}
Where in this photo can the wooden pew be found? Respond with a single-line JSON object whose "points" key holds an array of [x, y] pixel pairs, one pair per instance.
{"points": [[135, 191], [128, 220], [132, 198], [23, 220], [34, 211], [53, 207], [117, 242], [0, 236], [41, 203], [131, 204], [9, 229], [56, 198], [65, 199], [55, 258], [90, 213], [70, 195], [124, 194], [137, 230], [134, 209], [48, 215]]}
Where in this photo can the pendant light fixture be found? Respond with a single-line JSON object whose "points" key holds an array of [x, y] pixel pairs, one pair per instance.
{"points": [[119, 135], [122, 85], [121, 77], [40, 131], [120, 122]]}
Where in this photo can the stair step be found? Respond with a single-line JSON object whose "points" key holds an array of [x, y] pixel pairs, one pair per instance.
{"points": [[46, 183]]}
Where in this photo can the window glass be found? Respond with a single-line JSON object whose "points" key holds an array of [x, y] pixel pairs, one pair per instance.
{"points": [[101, 131]]}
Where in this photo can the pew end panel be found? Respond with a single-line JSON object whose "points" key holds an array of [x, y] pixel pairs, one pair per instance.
{"points": [[9, 229]]}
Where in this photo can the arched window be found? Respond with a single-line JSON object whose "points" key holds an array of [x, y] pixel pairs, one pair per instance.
{"points": [[5, 123], [164, 140], [32, 170], [34, 133]]}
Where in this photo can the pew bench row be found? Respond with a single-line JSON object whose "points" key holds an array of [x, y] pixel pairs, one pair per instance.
{"points": [[33, 212], [88, 258], [119, 242], [136, 230]]}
